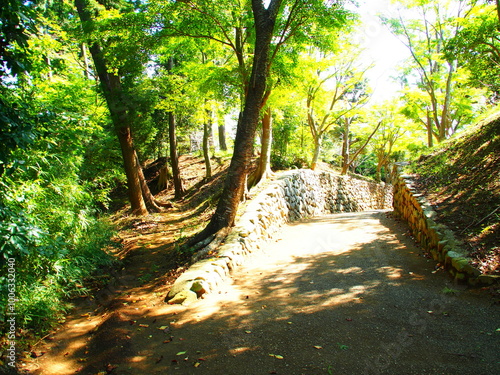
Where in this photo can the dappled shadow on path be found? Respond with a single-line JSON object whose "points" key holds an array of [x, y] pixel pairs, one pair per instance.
{"points": [[339, 294]]}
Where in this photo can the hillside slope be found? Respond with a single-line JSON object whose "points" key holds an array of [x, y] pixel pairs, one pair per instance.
{"points": [[462, 181]]}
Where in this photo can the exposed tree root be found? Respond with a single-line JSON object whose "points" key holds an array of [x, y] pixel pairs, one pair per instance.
{"points": [[210, 244]]}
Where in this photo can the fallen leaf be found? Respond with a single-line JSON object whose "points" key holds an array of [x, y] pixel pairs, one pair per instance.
{"points": [[144, 325], [277, 356], [248, 331], [197, 364], [163, 327], [110, 367], [181, 353], [318, 347]]}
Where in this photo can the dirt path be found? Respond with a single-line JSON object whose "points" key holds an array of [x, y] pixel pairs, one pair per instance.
{"points": [[339, 294]]}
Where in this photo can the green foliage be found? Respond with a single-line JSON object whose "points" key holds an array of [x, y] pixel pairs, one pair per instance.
{"points": [[437, 94], [477, 46], [48, 225], [54, 177], [52, 233], [16, 128], [292, 141], [17, 22]]}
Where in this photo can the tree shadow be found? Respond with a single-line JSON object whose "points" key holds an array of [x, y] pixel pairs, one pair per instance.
{"points": [[339, 294]]}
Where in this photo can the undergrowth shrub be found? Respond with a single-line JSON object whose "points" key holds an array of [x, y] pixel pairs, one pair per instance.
{"points": [[51, 230], [51, 264]]}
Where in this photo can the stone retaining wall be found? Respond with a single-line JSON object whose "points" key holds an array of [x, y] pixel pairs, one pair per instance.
{"points": [[433, 237], [293, 195]]}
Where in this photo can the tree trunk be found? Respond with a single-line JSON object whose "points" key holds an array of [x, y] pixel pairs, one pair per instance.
{"points": [[263, 170], [85, 59], [347, 160], [222, 137], [317, 151], [430, 137], [206, 149], [346, 147], [265, 19], [138, 191], [174, 159], [445, 126], [137, 201], [163, 178]]}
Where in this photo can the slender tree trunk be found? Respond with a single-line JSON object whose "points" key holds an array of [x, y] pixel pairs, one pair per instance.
{"points": [[430, 137], [263, 170], [267, 140], [174, 159], [172, 137], [85, 59], [348, 161], [346, 147], [206, 146], [317, 151], [222, 137], [445, 125]]}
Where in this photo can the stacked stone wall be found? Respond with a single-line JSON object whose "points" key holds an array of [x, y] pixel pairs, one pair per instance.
{"points": [[435, 238], [292, 196]]}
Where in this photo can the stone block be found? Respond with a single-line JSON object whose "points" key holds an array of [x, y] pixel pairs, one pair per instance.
{"points": [[471, 270], [184, 297], [488, 279]]}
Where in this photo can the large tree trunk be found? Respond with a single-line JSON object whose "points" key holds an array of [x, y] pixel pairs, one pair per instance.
{"points": [[136, 199], [138, 190], [234, 186], [174, 158]]}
